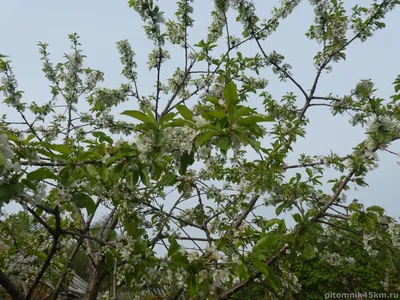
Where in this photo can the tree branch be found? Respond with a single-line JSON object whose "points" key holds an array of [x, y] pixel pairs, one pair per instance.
{"points": [[10, 288], [280, 69], [56, 235]]}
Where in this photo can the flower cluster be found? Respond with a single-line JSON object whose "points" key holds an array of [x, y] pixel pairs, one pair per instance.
{"points": [[368, 240], [180, 138], [6, 154], [290, 282], [333, 258], [220, 277], [127, 55], [9, 86], [5, 148], [394, 231], [247, 16], [381, 131], [157, 57], [153, 17]]}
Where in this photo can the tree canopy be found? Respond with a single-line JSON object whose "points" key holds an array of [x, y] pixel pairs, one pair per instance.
{"points": [[168, 199]]}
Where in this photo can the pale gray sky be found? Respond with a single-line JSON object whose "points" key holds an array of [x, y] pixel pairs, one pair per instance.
{"points": [[101, 23]]}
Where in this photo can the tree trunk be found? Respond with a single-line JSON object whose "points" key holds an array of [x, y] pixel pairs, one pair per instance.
{"points": [[93, 289], [97, 265]]}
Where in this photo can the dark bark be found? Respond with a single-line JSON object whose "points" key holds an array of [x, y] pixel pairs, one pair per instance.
{"points": [[93, 289]]}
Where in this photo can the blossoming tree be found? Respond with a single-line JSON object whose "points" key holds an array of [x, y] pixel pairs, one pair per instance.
{"points": [[183, 191]]}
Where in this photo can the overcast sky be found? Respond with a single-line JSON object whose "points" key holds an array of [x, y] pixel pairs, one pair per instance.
{"points": [[101, 23]]}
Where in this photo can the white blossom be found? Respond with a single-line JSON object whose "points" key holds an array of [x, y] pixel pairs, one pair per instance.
{"points": [[193, 255], [5, 147], [351, 260], [199, 121], [220, 277], [367, 239]]}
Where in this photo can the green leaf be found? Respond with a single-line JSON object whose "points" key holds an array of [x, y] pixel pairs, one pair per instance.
{"points": [[267, 242], [131, 226], [168, 117], [7, 192], [41, 173], [29, 184], [355, 206], [187, 159], [242, 271], [224, 143], [2, 160], [261, 266], [243, 111], [102, 137], [104, 173], [180, 260], [65, 176], [65, 149], [370, 220], [308, 250], [60, 266], [279, 209], [118, 170], [255, 144], [355, 216], [193, 284], [213, 100], [137, 115], [173, 247], [361, 182], [273, 280], [92, 170], [110, 260], [204, 137], [380, 25], [379, 210], [297, 217], [150, 114], [114, 158], [177, 123], [271, 223], [84, 201], [39, 254], [112, 235], [200, 44], [231, 94], [184, 111], [219, 115], [132, 179], [312, 212], [256, 118], [396, 97], [50, 154], [144, 177]]}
